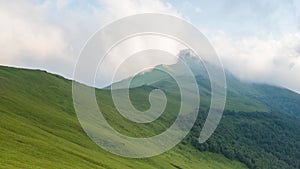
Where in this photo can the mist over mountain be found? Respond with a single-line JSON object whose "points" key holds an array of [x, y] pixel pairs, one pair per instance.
{"points": [[260, 124], [259, 128], [241, 95]]}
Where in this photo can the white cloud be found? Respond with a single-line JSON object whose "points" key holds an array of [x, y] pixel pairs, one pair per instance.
{"points": [[116, 9], [50, 34], [122, 62], [272, 61], [25, 33]]}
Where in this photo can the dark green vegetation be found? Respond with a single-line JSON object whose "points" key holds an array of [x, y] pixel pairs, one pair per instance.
{"points": [[259, 140], [39, 129]]}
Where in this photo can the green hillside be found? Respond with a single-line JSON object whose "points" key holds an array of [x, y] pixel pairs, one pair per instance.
{"points": [[241, 96], [260, 126], [39, 129]]}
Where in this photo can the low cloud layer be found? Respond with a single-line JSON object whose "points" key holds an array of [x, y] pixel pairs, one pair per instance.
{"points": [[272, 61], [50, 34]]}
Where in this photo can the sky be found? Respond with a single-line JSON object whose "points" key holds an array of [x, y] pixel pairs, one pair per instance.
{"points": [[256, 40]]}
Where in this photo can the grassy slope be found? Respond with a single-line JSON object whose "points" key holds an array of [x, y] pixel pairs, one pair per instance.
{"points": [[236, 100], [39, 129], [265, 126]]}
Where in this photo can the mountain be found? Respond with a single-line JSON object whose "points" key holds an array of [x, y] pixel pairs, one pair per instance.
{"points": [[241, 96], [260, 126], [39, 128]]}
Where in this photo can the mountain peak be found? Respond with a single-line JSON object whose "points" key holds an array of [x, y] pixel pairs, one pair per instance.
{"points": [[189, 56]]}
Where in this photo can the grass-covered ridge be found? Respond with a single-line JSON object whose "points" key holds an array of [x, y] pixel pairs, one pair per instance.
{"points": [[39, 129]]}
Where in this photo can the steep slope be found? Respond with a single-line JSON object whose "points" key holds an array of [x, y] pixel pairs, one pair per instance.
{"points": [[241, 96], [260, 126], [39, 129]]}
